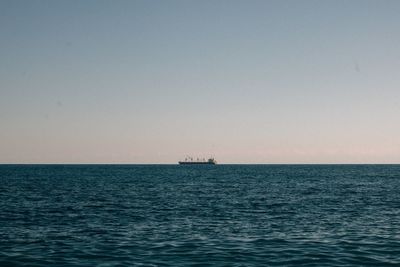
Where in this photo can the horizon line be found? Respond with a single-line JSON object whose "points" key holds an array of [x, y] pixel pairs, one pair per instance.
{"points": [[227, 163]]}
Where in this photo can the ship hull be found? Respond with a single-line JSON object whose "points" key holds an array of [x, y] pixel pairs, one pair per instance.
{"points": [[195, 163]]}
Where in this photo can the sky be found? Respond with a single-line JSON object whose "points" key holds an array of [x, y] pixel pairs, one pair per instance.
{"points": [[243, 81]]}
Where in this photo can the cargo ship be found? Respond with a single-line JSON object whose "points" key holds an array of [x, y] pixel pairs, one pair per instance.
{"points": [[191, 161]]}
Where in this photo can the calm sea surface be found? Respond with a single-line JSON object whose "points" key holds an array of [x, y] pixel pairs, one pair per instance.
{"points": [[223, 215]]}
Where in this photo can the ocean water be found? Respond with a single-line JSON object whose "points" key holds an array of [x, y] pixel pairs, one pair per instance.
{"points": [[223, 215]]}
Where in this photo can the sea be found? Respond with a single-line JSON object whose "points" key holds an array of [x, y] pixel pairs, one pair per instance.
{"points": [[222, 215]]}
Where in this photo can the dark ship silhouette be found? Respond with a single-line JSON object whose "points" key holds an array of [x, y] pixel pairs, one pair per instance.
{"points": [[191, 161]]}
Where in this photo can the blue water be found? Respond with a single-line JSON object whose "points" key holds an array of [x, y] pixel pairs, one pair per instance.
{"points": [[223, 215]]}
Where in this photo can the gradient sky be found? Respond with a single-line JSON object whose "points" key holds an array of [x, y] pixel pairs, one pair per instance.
{"points": [[245, 81]]}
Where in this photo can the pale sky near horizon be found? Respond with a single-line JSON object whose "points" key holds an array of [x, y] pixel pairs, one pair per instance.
{"points": [[154, 81]]}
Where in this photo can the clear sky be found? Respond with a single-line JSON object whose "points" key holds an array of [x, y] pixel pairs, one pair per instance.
{"points": [[245, 81]]}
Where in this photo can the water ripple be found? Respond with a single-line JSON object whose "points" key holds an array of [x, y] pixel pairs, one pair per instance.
{"points": [[239, 215]]}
